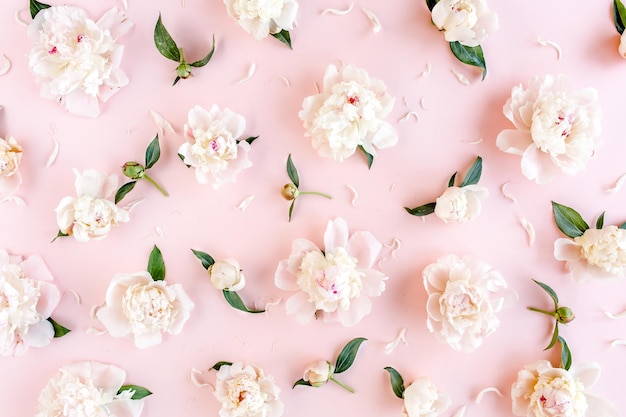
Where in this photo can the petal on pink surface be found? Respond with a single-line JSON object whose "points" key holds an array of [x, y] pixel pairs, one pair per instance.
{"points": [[513, 141], [284, 279], [287, 15], [94, 183], [538, 166], [365, 247], [114, 320], [39, 334], [599, 407], [81, 104], [115, 21], [385, 137], [235, 123], [125, 408], [373, 282], [34, 267], [299, 305], [566, 250], [331, 77], [48, 299], [359, 308], [299, 248], [336, 235], [184, 305], [106, 376], [588, 373]]}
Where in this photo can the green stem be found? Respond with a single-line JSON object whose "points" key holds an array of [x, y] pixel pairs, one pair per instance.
{"points": [[153, 182], [549, 313], [315, 193], [341, 384], [182, 56]]}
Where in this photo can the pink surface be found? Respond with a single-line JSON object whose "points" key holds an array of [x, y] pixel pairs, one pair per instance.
{"points": [[412, 173]]}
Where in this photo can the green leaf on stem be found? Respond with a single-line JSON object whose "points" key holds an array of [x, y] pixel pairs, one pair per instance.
{"points": [[555, 337], [292, 172], [368, 156], [139, 391], [156, 266], [59, 331], [293, 203], [284, 37], [347, 355], [397, 383], [422, 210], [206, 259], [431, 4], [301, 382], [550, 292], [206, 59], [219, 364], [600, 221], [235, 301], [36, 7], [473, 174], [61, 234], [470, 55], [451, 180], [619, 15], [123, 190], [566, 355], [153, 152], [176, 80], [568, 220], [164, 42], [251, 139]]}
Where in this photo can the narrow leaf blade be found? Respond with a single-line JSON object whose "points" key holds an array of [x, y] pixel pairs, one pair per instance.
{"points": [[219, 364], [153, 152], [164, 42], [555, 337], [235, 301], [206, 59], [61, 234], [473, 174], [397, 383], [431, 4], [348, 354], [550, 292], [156, 266], [140, 392], [292, 172], [59, 331], [568, 220], [619, 15], [451, 180], [284, 37], [123, 190], [470, 55], [600, 221], [36, 7], [206, 259], [623, 226], [422, 210], [368, 156], [293, 203], [566, 355], [251, 139], [301, 382]]}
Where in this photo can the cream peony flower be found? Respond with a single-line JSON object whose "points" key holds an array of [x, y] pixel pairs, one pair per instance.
{"points": [[556, 129], [138, 305], [468, 22], [597, 254], [263, 17], [75, 59], [318, 373], [88, 389], [464, 295], [245, 391], [10, 157], [348, 113], [460, 204], [544, 391], [226, 275], [336, 282], [423, 399], [27, 299], [213, 146], [90, 215]]}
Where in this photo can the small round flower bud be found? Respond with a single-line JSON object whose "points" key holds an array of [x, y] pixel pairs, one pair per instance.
{"points": [[133, 170], [565, 315], [183, 71], [289, 192]]}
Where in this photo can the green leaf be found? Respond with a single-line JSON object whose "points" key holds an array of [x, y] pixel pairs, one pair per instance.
{"points": [[293, 203], [422, 210], [36, 7], [156, 266], [623, 226], [59, 331], [600, 221], [301, 382], [397, 383], [470, 55], [568, 220], [347, 355], [140, 392], [368, 156], [204, 257], [550, 292], [451, 180], [235, 301], [619, 15], [164, 42], [206, 59], [176, 80], [566, 355], [182, 158], [61, 234], [473, 174], [431, 4], [555, 337], [251, 139], [284, 37], [292, 172], [219, 364], [153, 152], [123, 190]]}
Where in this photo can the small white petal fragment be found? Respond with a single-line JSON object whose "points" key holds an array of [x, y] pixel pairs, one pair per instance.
{"points": [[271, 303], [482, 393], [391, 346], [75, 294], [376, 26], [95, 331], [355, 195], [618, 342], [427, 69], [94, 310], [422, 103], [53, 154], [472, 142], [251, 71], [614, 316], [158, 231], [284, 79], [317, 88], [125, 3], [337, 11], [505, 194], [530, 230], [194, 378], [6, 65], [462, 78], [552, 44], [14, 199], [162, 124], [406, 103], [408, 115], [18, 17], [460, 413], [245, 203], [130, 206], [618, 184], [392, 186]]}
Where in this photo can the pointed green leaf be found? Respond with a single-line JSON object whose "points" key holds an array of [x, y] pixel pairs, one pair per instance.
{"points": [[555, 337], [619, 15], [176, 80], [182, 158], [235, 301], [204, 257], [251, 139], [219, 364], [164, 42], [284, 37], [36, 7], [568, 220], [293, 203], [600, 221], [431, 4], [156, 266], [153, 152], [550, 292], [139, 391], [566, 355], [61, 234], [368, 156], [347, 355], [292, 172], [301, 382], [422, 210], [397, 383], [451, 180], [123, 190], [470, 55], [623, 226], [59, 331], [473, 174], [206, 59]]}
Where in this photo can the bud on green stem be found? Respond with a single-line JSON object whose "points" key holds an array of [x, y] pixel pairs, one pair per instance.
{"points": [[289, 192], [133, 170], [564, 315]]}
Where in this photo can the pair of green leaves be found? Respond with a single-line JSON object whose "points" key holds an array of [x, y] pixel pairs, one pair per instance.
{"points": [[139, 392], [231, 297], [571, 223], [166, 45], [471, 178], [291, 191], [36, 7], [619, 15]]}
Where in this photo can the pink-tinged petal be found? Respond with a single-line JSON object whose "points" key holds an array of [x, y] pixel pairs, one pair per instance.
{"points": [[125, 408], [513, 141], [95, 183], [385, 137], [39, 334], [373, 282], [283, 279], [148, 339], [114, 320], [588, 373], [115, 22], [299, 305], [48, 299], [599, 407], [9, 185], [183, 305], [235, 123], [81, 104], [287, 15], [311, 105], [331, 77], [336, 234], [437, 275], [108, 377], [364, 247], [357, 75], [566, 250], [359, 308], [198, 118], [538, 166], [299, 248], [35, 268], [433, 307]]}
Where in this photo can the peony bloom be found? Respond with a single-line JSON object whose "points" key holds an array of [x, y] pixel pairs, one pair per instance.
{"points": [[556, 129], [88, 389], [348, 113], [90, 215], [468, 22], [544, 391], [138, 305], [263, 17], [336, 282], [464, 295], [423, 399], [27, 299], [460, 204], [10, 156], [213, 146], [318, 373], [226, 275], [245, 391], [77, 60], [597, 254]]}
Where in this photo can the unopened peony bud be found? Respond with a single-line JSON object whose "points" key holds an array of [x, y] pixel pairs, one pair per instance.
{"points": [[318, 373], [289, 192], [133, 170], [183, 71], [565, 315]]}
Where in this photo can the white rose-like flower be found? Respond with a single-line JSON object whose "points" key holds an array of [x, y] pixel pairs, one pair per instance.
{"points": [[226, 274], [460, 204], [318, 373], [544, 391], [468, 22], [27, 299], [138, 305], [263, 17], [348, 113], [464, 295], [88, 389], [556, 128], [597, 254], [90, 215], [423, 399], [77, 60], [245, 391], [337, 282], [213, 146], [10, 157]]}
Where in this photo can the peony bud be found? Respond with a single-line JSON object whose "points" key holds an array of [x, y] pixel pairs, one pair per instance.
{"points": [[183, 71], [226, 275], [133, 170], [564, 315], [289, 192], [318, 373]]}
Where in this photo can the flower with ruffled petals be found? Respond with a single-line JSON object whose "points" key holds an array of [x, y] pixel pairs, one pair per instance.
{"points": [[336, 282], [225, 274], [423, 399], [556, 128], [468, 22], [263, 17], [10, 156], [460, 204]]}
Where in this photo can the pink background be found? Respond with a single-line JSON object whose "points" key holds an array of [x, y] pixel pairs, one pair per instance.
{"points": [[412, 173]]}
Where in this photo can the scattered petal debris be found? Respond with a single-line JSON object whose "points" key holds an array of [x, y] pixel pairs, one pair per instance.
{"points": [[284, 79], [614, 316], [94, 309], [460, 413], [271, 303], [427, 69], [552, 44], [18, 17], [530, 230], [130, 206], [355, 194], [373, 18], [618, 184], [193, 375], [473, 142], [422, 101], [391, 346], [251, 71], [75, 294], [158, 231], [462, 78], [6, 66], [409, 115], [482, 393], [53, 154], [618, 342], [95, 331], [406, 103], [14, 199], [162, 124], [245, 203], [505, 194], [337, 11]]}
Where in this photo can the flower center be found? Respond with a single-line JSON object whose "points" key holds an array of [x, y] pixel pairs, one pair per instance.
{"points": [[79, 398], [467, 8], [147, 307], [605, 248], [554, 122], [245, 394]]}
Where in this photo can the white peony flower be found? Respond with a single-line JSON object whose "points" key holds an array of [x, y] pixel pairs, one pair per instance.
{"points": [[10, 156], [226, 274], [138, 305], [27, 299], [90, 215], [556, 129], [336, 282], [464, 295], [88, 389], [423, 399], [213, 146], [544, 391], [468, 22], [597, 254], [263, 17], [318, 373], [348, 113], [75, 59], [245, 391], [460, 204]]}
